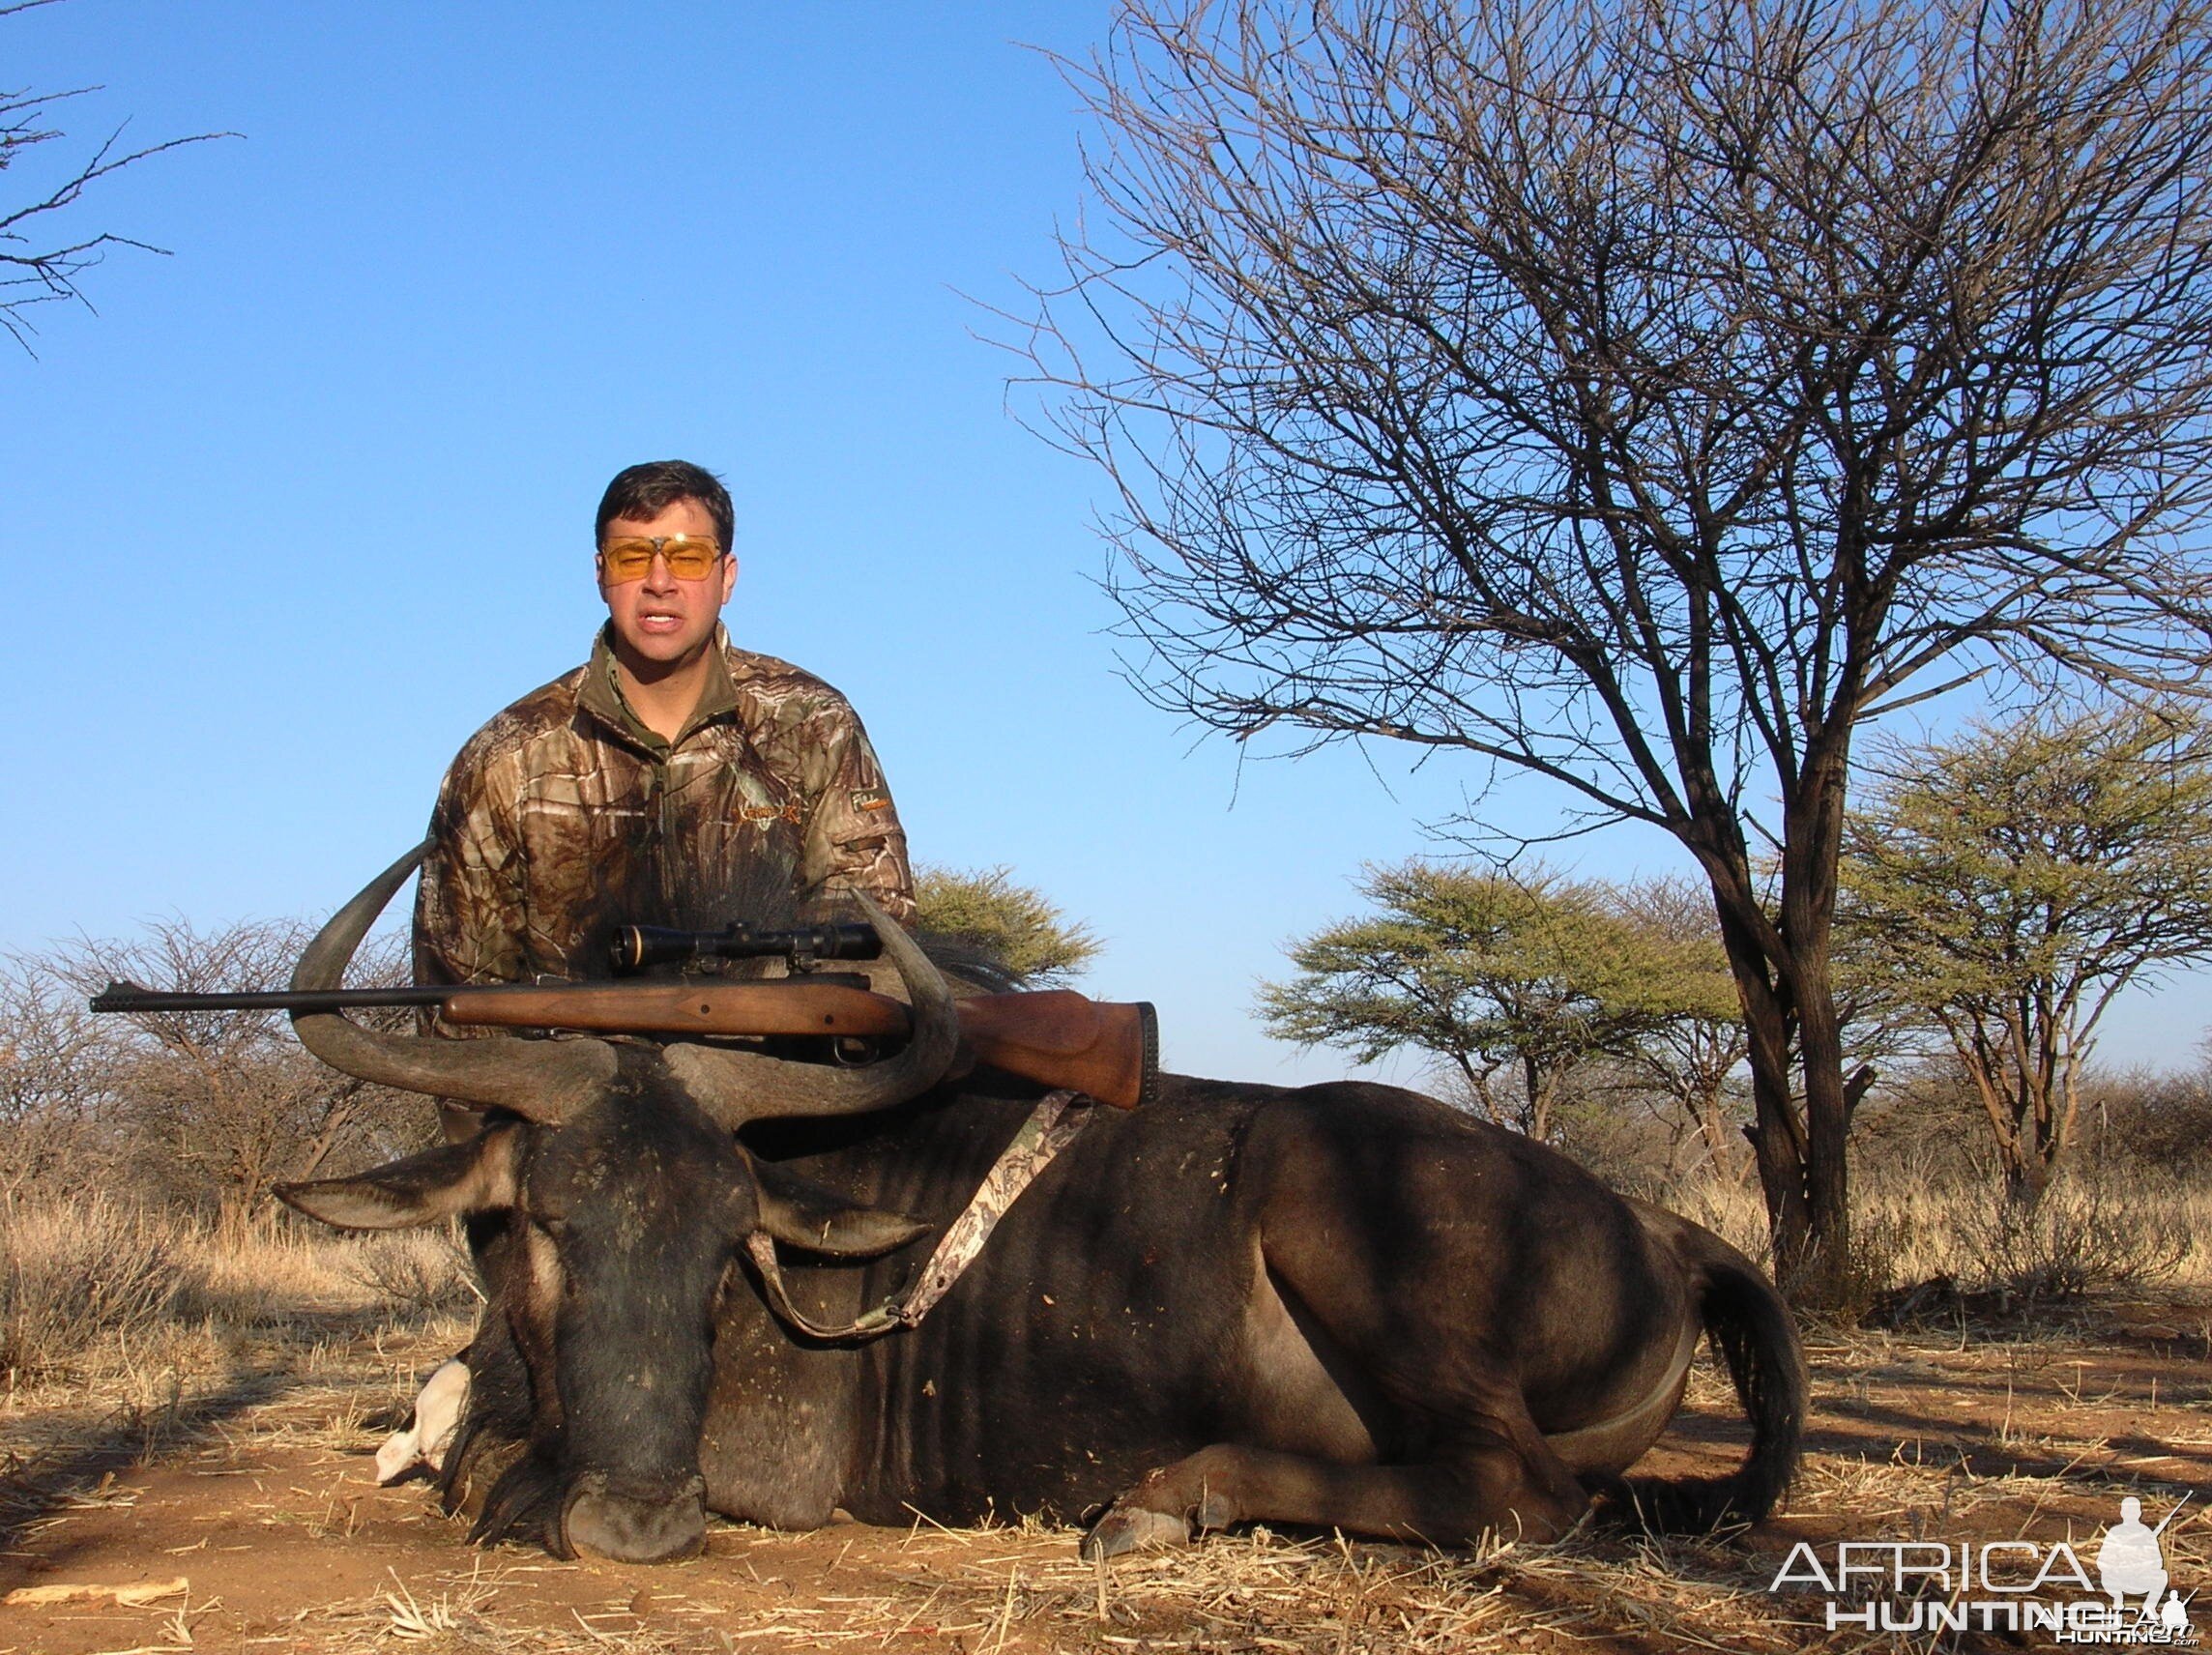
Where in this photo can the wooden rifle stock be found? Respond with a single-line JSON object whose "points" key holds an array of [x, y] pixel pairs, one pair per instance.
{"points": [[1057, 1037], [1108, 1049]]}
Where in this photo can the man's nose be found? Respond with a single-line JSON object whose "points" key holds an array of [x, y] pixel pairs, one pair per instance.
{"points": [[656, 574]]}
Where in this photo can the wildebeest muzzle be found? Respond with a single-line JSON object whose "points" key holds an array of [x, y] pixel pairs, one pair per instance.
{"points": [[621, 1524]]}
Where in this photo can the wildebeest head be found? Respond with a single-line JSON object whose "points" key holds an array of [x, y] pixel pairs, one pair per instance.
{"points": [[609, 1195]]}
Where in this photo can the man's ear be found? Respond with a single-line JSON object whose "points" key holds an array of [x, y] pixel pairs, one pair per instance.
{"points": [[449, 1182], [728, 575]]}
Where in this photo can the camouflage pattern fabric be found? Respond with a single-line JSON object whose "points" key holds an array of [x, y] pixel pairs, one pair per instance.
{"points": [[1056, 1122], [566, 817]]}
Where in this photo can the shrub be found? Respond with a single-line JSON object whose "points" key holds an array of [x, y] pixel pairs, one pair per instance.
{"points": [[1014, 926], [414, 1271], [2081, 1238], [74, 1276], [2157, 1122]]}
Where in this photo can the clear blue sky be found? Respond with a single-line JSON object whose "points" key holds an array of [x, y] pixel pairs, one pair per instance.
{"points": [[311, 498]]}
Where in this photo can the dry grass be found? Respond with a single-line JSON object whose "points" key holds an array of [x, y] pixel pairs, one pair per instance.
{"points": [[2118, 1233], [288, 1355], [993, 1590], [81, 1275], [419, 1271], [2085, 1237], [94, 1289], [273, 1274], [132, 1331]]}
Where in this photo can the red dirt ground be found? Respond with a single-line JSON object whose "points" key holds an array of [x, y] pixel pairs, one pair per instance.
{"points": [[261, 1499]]}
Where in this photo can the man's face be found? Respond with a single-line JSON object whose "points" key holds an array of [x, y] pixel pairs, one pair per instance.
{"points": [[661, 621]]}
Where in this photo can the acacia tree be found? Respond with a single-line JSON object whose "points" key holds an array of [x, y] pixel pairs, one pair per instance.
{"points": [[1499, 976], [1696, 1041], [1649, 396], [1013, 924], [2010, 882]]}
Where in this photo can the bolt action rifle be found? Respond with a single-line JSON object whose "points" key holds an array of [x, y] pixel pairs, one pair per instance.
{"points": [[1057, 1037]]}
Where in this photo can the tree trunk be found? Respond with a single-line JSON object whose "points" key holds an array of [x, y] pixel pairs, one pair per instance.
{"points": [[1812, 847], [1777, 1135], [233, 1218], [1828, 1267], [2017, 1100], [1538, 1080], [1782, 974], [345, 1106]]}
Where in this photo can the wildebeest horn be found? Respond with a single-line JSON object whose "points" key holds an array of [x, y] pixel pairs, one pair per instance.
{"points": [[738, 1087], [542, 1080]]}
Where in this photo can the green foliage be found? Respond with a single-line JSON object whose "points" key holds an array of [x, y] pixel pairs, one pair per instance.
{"points": [[2007, 883], [1012, 923], [1696, 1044], [1512, 981]]}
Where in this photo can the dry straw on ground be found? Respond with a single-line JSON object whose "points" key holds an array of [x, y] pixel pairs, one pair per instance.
{"points": [[224, 1439]]}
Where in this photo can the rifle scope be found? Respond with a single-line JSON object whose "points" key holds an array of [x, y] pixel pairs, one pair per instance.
{"points": [[636, 948]]}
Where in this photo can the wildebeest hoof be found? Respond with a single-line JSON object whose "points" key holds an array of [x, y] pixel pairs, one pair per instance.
{"points": [[1132, 1529]]}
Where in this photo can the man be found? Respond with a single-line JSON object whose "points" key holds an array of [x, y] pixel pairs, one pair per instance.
{"points": [[674, 779], [2130, 1559]]}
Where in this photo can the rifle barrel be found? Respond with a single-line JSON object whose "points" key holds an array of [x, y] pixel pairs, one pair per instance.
{"points": [[130, 997], [1058, 1037]]}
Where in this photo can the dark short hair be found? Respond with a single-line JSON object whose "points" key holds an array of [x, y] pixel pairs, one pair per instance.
{"points": [[643, 491]]}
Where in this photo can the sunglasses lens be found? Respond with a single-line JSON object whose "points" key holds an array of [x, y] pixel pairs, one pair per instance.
{"points": [[627, 559], [630, 557], [690, 560]]}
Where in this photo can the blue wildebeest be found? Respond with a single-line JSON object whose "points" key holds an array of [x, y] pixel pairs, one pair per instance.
{"points": [[1341, 1305]]}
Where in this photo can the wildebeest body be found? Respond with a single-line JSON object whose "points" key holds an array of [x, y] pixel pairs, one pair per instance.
{"points": [[1343, 1273], [1439, 1326], [1342, 1305]]}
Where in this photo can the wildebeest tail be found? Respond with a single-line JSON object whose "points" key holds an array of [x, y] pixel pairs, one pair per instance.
{"points": [[1751, 1329]]}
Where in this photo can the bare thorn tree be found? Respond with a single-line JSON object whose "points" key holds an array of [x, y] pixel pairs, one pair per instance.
{"points": [[40, 257], [57, 1094], [229, 1102], [1648, 394]]}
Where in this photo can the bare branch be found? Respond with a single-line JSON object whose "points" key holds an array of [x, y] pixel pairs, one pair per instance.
{"points": [[42, 262], [1648, 395]]}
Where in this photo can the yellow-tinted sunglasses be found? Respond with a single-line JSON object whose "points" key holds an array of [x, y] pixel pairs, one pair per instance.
{"points": [[629, 557]]}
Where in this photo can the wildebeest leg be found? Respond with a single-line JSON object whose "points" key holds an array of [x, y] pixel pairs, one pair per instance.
{"points": [[1551, 1282], [1509, 1482]]}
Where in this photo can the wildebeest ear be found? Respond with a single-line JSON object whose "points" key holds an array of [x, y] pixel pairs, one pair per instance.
{"points": [[804, 1215], [446, 1182]]}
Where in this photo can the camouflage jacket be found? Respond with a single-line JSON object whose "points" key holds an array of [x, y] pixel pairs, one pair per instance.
{"points": [[566, 817]]}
